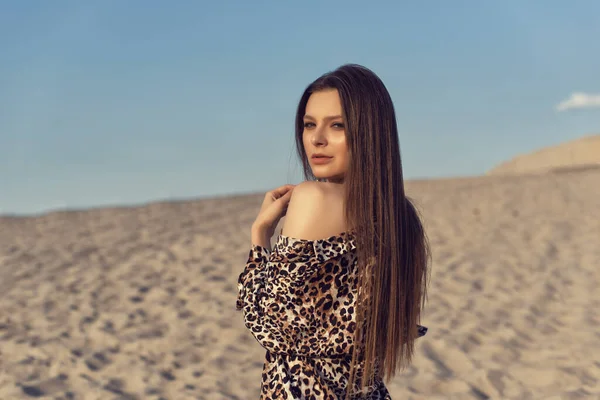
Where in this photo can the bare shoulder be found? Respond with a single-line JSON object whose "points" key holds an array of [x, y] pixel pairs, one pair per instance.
{"points": [[314, 212], [308, 189]]}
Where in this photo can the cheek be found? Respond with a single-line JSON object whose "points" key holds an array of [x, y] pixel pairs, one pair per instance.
{"points": [[342, 159], [346, 158], [344, 150]]}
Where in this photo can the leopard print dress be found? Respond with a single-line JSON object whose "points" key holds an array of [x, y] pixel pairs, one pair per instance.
{"points": [[298, 302]]}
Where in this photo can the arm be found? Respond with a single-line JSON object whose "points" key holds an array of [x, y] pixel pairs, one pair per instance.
{"points": [[260, 237], [252, 279], [304, 214]]}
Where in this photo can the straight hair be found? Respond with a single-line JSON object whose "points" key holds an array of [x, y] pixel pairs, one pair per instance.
{"points": [[393, 253]]}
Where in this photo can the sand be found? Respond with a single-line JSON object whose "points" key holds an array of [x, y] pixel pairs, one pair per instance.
{"points": [[581, 153], [139, 303]]}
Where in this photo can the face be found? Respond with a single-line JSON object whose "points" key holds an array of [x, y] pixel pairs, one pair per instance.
{"points": [[325, 133]]}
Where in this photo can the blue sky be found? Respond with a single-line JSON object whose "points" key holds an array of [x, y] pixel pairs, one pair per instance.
{"points": [[126, 102]]}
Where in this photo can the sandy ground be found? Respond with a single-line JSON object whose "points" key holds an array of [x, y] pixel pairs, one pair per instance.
{"points": [[580, 153], [139, 303]]}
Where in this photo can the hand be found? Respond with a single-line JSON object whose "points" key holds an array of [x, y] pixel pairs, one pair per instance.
{"points": [[274, 207]]}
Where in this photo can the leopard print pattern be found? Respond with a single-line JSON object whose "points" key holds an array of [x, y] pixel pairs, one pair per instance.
{"points": [[298, 302]]}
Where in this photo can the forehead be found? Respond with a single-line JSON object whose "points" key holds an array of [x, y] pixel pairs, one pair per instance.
{"points": [[324, 102]]}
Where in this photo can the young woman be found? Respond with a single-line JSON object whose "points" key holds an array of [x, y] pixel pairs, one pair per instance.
{"points": [[337, 302]]}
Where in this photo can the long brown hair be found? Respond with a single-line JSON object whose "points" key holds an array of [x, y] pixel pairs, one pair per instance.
{"points": [[392, 248]]}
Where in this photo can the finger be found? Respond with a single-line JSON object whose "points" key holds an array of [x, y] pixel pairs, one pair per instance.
{"points": [[280, 191], [286, 187], [285, 198]]}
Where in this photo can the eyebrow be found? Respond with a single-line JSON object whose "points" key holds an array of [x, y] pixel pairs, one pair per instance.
{"points": [[326, 118]]}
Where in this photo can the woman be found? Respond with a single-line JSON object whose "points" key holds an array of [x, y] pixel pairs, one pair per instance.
{"points": [[338, 314]]}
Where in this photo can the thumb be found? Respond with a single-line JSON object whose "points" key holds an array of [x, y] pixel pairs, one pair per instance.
{"points": [[285, 198]]}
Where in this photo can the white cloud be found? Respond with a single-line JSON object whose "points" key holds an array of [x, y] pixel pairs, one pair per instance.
{"points": [[579, 100]]}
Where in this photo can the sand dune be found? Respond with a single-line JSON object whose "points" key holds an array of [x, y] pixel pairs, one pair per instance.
{"points": [[139, 303], [577, 154]]}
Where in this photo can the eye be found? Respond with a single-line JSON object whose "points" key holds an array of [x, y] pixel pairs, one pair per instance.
{"points": [[338, 125], [308, 124]]}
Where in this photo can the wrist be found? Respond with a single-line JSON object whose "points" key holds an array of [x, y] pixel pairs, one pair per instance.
{"points": [[260, 237], [258, 228]]}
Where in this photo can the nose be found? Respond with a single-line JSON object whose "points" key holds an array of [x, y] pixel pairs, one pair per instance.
{"points": [[318, 137]]}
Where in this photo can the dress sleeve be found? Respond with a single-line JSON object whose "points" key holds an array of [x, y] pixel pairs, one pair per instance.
{"points": [[252, 279]]}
